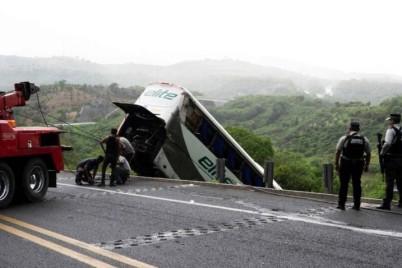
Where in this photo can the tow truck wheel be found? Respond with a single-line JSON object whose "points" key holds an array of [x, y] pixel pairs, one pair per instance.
{"points": [[35, 180], [7, 185]]}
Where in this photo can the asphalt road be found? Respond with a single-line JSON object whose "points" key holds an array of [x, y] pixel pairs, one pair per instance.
{"points": [[163, 223]]}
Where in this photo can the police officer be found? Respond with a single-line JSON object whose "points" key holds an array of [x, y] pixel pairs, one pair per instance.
{"points": [[392, 155], [350, 163]]}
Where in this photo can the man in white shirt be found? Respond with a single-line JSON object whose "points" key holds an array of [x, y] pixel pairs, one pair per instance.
{"points": [[127, 149], [122, 170]]}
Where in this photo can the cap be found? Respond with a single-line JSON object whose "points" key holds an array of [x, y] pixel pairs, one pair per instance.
{"points": [[394, 117], [354, 125]]}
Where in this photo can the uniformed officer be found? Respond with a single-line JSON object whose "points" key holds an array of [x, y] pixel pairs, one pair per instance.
{"points": [[353, 154], [392, 155]]}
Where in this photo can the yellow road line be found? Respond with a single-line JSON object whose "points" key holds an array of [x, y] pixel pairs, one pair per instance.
{"points": [[97, 250], [55, 247]]}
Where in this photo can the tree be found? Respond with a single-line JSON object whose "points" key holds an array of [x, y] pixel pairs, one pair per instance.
{"points": [[259, 148], [113, 86], [293, 172]]}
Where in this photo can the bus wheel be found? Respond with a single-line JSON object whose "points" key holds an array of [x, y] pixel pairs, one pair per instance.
{"points": [[35, 180], [7, 185]]}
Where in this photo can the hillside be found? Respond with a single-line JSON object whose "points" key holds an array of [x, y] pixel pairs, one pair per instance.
{"points": [[62, 102], [305, 125], [222, 79]]}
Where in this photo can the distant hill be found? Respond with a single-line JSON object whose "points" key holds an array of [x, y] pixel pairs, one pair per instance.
{"points": [[222, 79], [321, 72], [302, 124]]}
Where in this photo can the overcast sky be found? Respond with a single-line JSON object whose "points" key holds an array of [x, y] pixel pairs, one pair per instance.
{"points": [[347, 35]]}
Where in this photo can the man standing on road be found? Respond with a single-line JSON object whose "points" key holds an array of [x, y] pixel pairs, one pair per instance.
{"points": [[392, 155], [112, 152], [84, 169], [350, 163]]}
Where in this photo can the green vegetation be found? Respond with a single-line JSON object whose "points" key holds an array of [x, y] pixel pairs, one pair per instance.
{"points": [[287, 164], [62, 102], [304, 132], [301, 124], [85, 139], [260, 147], [294, 171]]}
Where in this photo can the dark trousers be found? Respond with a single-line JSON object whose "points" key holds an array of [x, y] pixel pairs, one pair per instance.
{"points": [[112, 160], [122, 174], [350, 169], [393, 172], [80, 172]]}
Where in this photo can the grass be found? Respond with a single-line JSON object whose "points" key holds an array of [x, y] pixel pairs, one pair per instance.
{"points": [[373, 186]]}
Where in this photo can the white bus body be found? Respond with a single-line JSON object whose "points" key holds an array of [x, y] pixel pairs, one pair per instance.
{"points": [[174, 136]]}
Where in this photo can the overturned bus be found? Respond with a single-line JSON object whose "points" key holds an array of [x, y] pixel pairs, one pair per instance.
{"points": [[174, 136]]}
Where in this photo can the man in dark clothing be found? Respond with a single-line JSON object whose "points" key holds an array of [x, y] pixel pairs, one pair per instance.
{"points": [[392, 155], [350, 163], [84, 169], [112, 152]]}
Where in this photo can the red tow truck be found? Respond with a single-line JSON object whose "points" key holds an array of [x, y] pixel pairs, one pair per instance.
{"points": [[30, 157]]}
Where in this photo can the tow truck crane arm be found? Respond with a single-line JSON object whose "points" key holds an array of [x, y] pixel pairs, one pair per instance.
{"points": [[22, 92]]}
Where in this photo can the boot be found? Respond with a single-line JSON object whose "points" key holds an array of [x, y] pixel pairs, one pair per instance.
{"points": [[356, 205], [341, 207], [78, 180], [385, 206], [112, 182], [102, 183]]}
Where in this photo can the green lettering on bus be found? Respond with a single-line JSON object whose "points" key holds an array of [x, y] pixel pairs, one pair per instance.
{"points": [[160, 93]]}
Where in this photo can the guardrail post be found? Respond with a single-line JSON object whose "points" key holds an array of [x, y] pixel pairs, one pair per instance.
{"points": [[269, 174], [220, 169], [328, 178]]}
